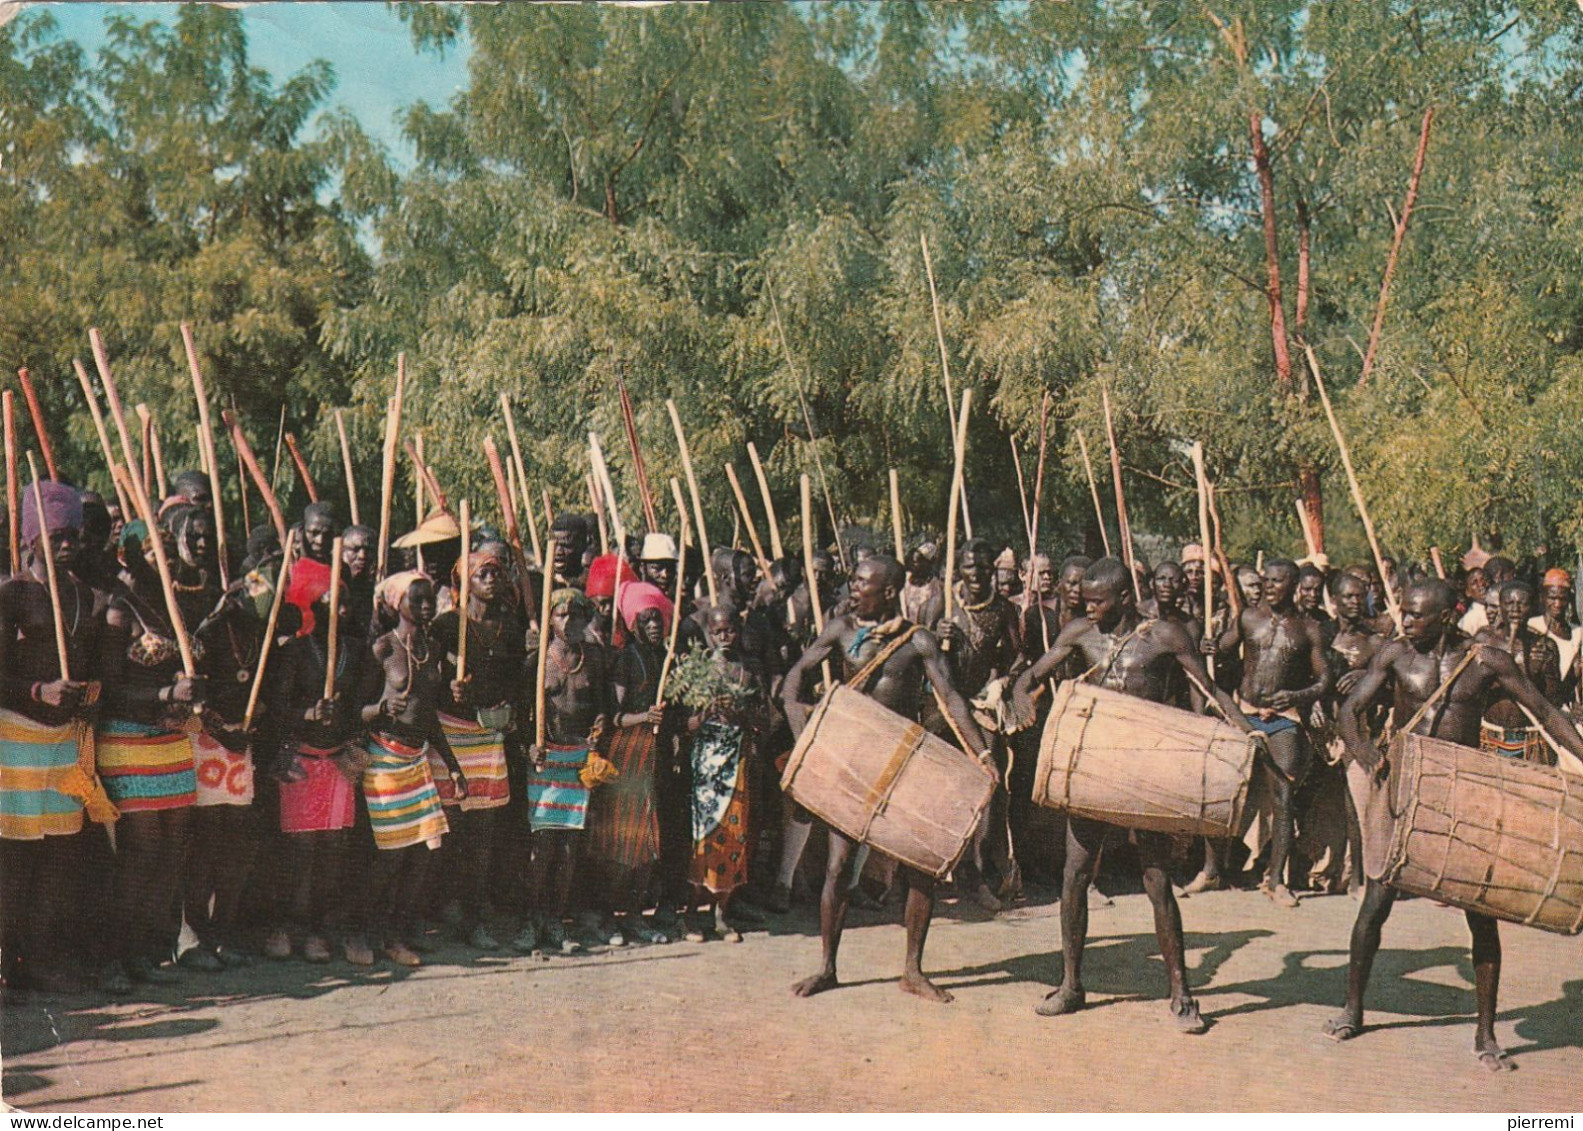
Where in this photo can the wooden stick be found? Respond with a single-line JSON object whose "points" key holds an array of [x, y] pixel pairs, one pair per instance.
{"points": [[1307, 528], [776, 546], [1397, 237], [698, 507], [333, 645], [1022, 490], [548, 585], [302, 468], [1352, 485], [1233, 594], [522, 475], [945, 363], [415, 452], [162, 565], [466, 591], [101, 361], [1440, 567], [245, 452], [13, 506], [49, 572], [151, 434], [1201, 478], [508, 506], [206, 448], [387, 476], [959, 454], [640, 471], [146, 431], [280, 440], [1093, 490], [596, 502], [346, 466], [30, 394], [815, 604], [425, 476], [747, 517], [895, 516], [269, 631], [1121, 497], [676, 609], [549, 511], [1038, 476], [241, 481], [99, 430], [607, 490]]}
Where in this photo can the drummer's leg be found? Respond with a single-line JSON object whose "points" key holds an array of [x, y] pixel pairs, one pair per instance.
{"points": [[833, 903], [920, 909], [1486, 985], [1378, 899], [1289, 751], [1084, 839], [1154, 854]]}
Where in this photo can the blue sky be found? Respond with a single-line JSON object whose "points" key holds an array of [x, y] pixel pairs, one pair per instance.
{"points": [[377, 70]]}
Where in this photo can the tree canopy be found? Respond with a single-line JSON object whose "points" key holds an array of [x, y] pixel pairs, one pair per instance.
{"points": [[724, 205]]}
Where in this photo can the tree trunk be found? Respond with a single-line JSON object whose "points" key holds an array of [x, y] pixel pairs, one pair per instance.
{"points": [[1272, 255]]}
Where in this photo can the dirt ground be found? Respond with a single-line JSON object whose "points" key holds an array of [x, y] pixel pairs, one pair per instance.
{"points": [[713, 1027]]}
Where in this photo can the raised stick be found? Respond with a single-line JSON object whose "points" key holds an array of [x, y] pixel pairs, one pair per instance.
{"points": [[1440, 567], [426, 477], [776, 547], [101, 361], [676, 609], [698, 507], [1307, 528], [241, 481], [1233, 596], [959, 448], [1022, 490], [1352, 485], [1397, 237], [13, 508], [596, 501], [508, 505], [387, 472], [1093, 490], [245, 452], [466, 592], [549, 512], [333, 645], [49, 572], [522, 475], [30, 394], [1038, 475], [346, 466], [302, 468], [146, 427], [945, 362], [1121, 497], [99, 429], [280, 450], [640, 470], [206, 447], [539, 681], [747, 517], [607, 491], [1202, 480], [162, 564], [815, 605], [895, 515], [269, 631]]}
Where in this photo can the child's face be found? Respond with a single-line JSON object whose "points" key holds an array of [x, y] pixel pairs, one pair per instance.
{"points": [[723, 631]]}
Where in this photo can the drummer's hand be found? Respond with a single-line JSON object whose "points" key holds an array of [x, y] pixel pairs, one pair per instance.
{"points": [[1347, 682], [1020, 707], [1280, 700], [459, 691], [987, 760], [1208, 646], [950, 634]]}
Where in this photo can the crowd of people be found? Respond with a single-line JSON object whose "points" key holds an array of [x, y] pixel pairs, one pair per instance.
{"points": [[588, 753]]}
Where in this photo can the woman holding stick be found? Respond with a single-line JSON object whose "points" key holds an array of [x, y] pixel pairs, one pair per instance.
{"points": [[145, 757]]}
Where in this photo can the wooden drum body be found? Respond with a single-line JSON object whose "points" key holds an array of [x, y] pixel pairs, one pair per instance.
{"points": [[1140, 765], [1495, 835], [886, 782]]}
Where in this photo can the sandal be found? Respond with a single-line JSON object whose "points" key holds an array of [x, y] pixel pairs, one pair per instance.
{"points": [[1494, 1060], [1342, 1028]]}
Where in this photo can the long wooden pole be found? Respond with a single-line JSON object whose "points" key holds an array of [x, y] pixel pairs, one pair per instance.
{"points": [[501, 473], [332, 647], [269, 630], [48, 549], [13, 508], [676, 609], [522, 475], [1440, 566], [1038, 475], [1397, 237], [698, 507], [596, 502], [1352, 485], [146, 430], [747, 518], [101, 432], [811, 579], [387, 477], [959, 451], [167, 583], [1093, 490], [206, 447], [301, 465], [607, 490], [895, 516], [776, 546], [1233, 594], [1306, 526], [241, 482], [426, 477], [1121, 497], [346, 466], [30, 394], [1202, 480], [101, 361], [280, 450], [1022, 491], [465, 587], [945, 363], [640, 471], [540, 680], [244, 450]]}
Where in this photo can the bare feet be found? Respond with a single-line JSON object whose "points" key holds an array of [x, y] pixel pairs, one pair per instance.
{"points": [[1187, 1018], [1492, 1057], [1061, 1000], [1203, 882], [919, 986], [1280, 895], [1343, 1026], [818, 984]]}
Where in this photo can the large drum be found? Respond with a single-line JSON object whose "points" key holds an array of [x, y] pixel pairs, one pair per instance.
{"points": [[1500, 836], [1141, 765], [885, 781]]}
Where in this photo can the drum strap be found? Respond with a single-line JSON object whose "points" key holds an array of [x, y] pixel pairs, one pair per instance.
{"points": [[879, 793], [1115, 653], [1441, 690], [859, 681]]}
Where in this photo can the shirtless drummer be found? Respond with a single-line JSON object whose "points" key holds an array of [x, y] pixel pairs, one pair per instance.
{"points": [[1124, 653]]}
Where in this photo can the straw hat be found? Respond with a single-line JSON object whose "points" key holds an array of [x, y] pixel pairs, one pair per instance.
{"points": [[437, 527]]}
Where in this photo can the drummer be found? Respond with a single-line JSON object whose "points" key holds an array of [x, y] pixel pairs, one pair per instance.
{"points": [[1429, 667], [1137, 657], [872, 633]]}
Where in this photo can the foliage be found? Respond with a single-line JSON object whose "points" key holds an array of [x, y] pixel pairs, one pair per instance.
{"points": [[699, 682]]}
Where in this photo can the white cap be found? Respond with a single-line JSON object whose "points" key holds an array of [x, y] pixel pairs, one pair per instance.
{"points": [[658, 548]]}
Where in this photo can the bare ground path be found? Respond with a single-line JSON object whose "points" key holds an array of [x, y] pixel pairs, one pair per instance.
{"points": [[714, 1027]]}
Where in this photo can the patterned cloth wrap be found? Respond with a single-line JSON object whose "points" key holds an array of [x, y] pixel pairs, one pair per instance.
{"points": [[146, 768], [34, 759], [557, 797], [720, 808], [224, 777], [624, 826], [482, 756], [403, 805], [1527, 743], [324, 801]]}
